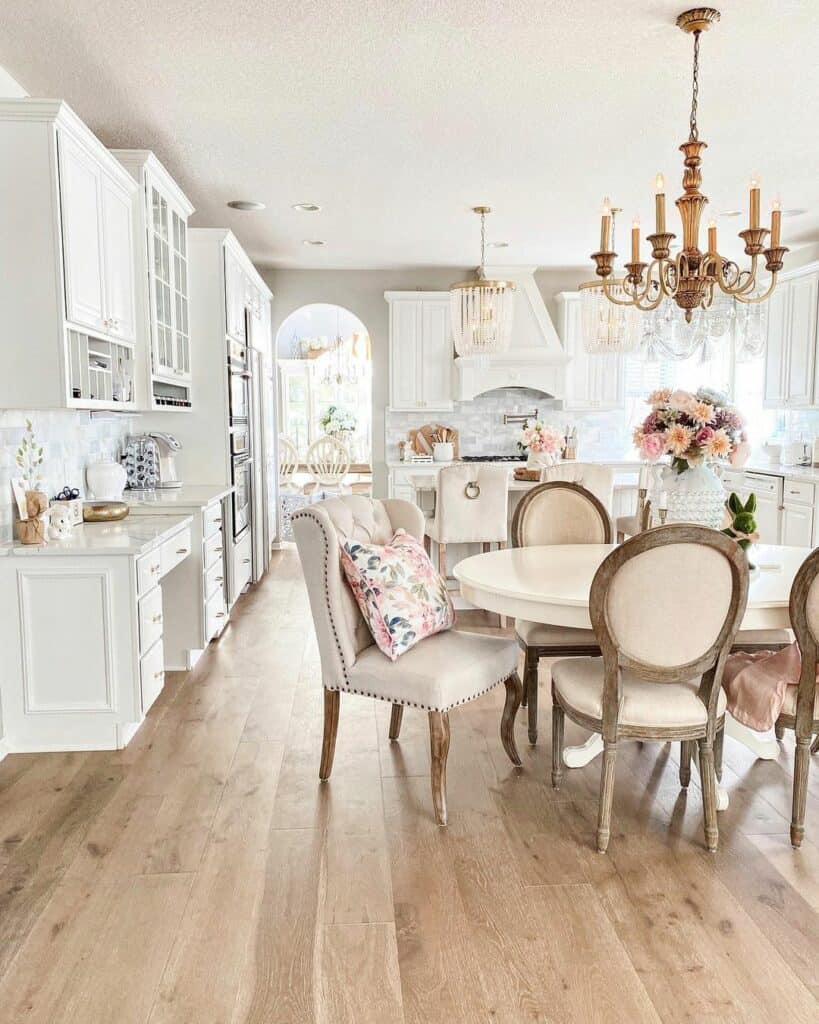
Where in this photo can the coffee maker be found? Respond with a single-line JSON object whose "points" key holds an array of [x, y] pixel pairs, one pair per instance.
{"points": [[168, 447]]}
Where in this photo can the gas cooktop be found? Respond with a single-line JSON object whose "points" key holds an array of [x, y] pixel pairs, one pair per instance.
{"points": [[493, 458]]}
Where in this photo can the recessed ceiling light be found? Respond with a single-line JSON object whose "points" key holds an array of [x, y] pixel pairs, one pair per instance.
{"points": [[245, 204], [795, 211], [731, 213], [312, 241], [497, 245], [306, 207]]}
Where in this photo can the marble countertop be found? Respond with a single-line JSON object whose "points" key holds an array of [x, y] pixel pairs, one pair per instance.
{"points": [[616, 463], [808, 474], [174, 500], [133, 535]]}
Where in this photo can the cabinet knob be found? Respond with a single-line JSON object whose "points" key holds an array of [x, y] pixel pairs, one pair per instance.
{"points": [[245, 560], [181, 551], [219, 615], [218, 551], [156, 569], [157, 618]]}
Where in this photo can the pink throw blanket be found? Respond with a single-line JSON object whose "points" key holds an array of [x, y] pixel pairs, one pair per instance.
{"points": [[755, 684]]}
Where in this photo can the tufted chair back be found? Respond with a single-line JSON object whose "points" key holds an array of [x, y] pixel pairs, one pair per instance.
{"points": [[320, 530], [597, 479]]}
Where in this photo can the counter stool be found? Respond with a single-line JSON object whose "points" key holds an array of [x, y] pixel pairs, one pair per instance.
{"points": [[597, 479], [471, 507]]}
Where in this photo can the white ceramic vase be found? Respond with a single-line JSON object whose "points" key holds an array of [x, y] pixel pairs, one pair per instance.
{"points": [[540, 460], [106, 480], [694, 496]]}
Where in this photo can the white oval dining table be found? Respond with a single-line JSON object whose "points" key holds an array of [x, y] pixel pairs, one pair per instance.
{"points": [[551, 584]]}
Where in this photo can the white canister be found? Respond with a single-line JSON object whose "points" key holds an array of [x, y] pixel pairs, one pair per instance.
{"points": [[106, 480], [443, 451]]}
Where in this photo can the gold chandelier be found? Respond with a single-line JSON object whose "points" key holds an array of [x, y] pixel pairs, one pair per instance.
{"points": [[481, 310], [691, 278]]}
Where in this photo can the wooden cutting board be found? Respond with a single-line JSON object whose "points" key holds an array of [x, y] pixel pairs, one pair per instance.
{"points": [[421, 440]]}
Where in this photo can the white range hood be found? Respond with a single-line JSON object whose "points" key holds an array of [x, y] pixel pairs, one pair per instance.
{"points": [[535, 358]]}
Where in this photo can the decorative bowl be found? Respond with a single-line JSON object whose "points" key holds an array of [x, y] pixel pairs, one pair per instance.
{"points": [[104, 511]]}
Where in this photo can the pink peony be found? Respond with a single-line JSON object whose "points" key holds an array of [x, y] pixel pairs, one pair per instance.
{"points": [[704, 435], [652, 446]]}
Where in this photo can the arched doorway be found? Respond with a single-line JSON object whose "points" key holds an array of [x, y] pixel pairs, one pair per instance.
{"points": [[325, 384]]}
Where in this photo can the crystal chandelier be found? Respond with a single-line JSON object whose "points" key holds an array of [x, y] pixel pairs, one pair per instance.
{"points": [[482, 310], [692, 277], [607, 329]]}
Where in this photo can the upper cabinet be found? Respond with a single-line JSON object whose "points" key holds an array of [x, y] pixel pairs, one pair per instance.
{"points": [[421, 352], [592, 381], [248, 316], [163, 299], [68, 287], [791, 367]]}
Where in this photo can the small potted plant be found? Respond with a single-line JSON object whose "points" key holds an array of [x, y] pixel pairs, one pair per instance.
{"points": [[541, 443], [31, 501], [338, 422]]}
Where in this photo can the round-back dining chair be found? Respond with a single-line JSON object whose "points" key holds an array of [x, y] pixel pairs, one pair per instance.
{"points": [[288, 462], [558, 512], [328, 461]]}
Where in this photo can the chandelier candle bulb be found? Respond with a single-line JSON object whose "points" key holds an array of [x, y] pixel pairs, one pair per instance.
{"points": [[659, 204], [605, 226], [635, 240], [776, 222], [712, 236], [754, 203]]}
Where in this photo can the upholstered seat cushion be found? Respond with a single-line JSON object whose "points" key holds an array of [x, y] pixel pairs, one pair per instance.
{"points": [[764, 637], [538, 634], [628, 525], [440, 672], [579, 684], [789, 703]]}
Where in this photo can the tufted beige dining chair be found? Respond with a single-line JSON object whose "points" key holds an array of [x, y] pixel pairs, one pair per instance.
{"points": [[800, 711], [438, 674], [555, 513], [595, 478], [471, 507], [664, 651]]}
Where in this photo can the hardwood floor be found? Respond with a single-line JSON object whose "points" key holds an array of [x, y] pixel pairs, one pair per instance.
{"points": [[204, 876]]}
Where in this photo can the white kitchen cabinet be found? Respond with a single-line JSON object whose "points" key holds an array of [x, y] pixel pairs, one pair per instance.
{"points": [[790, 361], [592, 381], [797, 526], [421, 352], [235, 296], [769, 499], [162, 303], [67, 289]]}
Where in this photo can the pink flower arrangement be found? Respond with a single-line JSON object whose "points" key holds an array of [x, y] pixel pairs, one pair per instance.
{"points": [[537, 436], [691, 428]]}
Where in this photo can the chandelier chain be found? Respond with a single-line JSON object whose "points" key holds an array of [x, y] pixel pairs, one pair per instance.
{"points": [[695, 90], [483, 241]]}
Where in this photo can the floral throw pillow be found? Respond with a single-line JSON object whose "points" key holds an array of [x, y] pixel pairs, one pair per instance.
{"points": [[401, 595]]}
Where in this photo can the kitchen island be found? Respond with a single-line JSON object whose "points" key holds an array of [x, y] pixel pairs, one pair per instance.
{"points": [[81, 630]]}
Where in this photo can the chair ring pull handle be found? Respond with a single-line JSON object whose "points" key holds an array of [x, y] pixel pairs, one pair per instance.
{"points": [[472, 490]]}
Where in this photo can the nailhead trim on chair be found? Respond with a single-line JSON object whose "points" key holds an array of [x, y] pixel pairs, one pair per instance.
{"points": [[309, 514]]}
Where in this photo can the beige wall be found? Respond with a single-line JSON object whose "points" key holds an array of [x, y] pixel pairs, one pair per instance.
{"points": [[362, 292]]}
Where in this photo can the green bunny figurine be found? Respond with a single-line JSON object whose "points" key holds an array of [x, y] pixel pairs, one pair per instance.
{"points": [[741, 522]]}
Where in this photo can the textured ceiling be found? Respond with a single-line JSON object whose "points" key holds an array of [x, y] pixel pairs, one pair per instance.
{"points": [[399, 116]]}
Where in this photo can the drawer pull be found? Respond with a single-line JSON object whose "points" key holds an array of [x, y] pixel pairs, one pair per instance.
{"points": [[217, 522], [156, 618], [219, 579], [246, 561], [219, 615], [181, 551], [156, 569], [218, 551]]}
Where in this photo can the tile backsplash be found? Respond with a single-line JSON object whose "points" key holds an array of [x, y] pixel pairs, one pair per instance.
{"points": [[482, 431], [70, 439]]}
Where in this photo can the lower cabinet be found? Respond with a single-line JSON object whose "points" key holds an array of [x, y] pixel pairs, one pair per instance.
{"points": [[242, 564], [151, 675], [797, 526]]}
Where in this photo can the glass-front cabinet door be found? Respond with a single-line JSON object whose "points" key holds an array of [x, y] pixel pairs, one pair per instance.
{"points": [[168, 241]]}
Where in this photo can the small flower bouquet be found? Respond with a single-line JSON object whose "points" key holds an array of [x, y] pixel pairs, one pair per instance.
{"points": [[693, 428], [542, 443], [338, 422]]}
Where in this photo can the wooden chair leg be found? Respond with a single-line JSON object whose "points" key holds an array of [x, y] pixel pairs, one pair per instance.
{"points": [[686, 752], [332, 703], [719, 743], [815, 745], [606, 794], [439, 748], [510, 710], [530, 682], [427, 543], [708, 781], [620, 536], [442, 560], [557, 743], [779, 731], [395, 721], [800, 789]]}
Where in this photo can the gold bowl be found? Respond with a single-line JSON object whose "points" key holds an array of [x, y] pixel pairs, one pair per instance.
{"points": [[104, 511]]}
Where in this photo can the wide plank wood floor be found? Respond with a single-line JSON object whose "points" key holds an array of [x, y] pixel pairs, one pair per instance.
{"points": [[204, 876]]}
